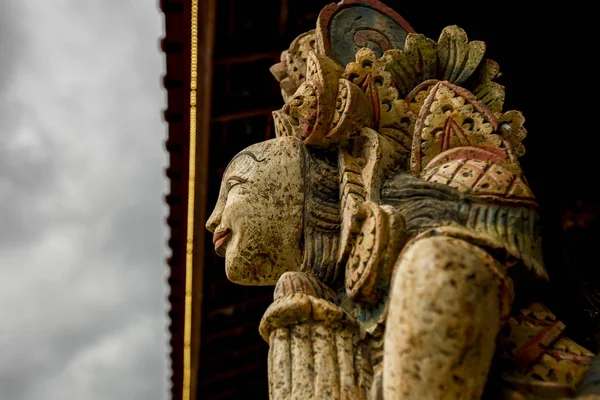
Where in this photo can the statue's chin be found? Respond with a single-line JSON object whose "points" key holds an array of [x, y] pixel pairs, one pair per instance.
{"points": [[242, 272]]}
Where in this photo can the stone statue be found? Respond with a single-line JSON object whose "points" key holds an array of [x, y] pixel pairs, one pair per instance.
{"points": [[393, 216]]}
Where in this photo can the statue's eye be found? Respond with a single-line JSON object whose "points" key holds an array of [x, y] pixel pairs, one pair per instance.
{"points": [[234, 181]]}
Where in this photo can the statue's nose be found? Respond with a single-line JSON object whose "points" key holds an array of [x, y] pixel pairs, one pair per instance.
{"points": [[213, 221]]}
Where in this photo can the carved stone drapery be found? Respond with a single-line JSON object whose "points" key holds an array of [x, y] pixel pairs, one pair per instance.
{"points": [[397, 223]]}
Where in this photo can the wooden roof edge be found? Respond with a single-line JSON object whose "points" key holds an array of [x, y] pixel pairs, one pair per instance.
{"points": [[188, 46], [175, 45]]}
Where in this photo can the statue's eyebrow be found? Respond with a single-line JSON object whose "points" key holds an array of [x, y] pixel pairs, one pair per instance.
{"points": [[238, 179], [244, 153]]}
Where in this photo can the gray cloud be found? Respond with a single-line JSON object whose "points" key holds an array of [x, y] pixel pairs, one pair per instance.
{"points": [[10, 40], [82, 242]]}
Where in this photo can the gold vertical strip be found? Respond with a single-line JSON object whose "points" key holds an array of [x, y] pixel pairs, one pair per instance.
{"points": [[189, 256]]}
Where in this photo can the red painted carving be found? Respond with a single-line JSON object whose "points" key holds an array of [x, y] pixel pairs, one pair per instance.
{"points": [[329, 12]]}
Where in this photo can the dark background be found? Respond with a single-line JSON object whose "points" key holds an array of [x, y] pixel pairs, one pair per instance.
{"points": [[547, 55]]}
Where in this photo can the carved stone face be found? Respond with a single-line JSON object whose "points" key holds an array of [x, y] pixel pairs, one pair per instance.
{"points": [[257, 222]]}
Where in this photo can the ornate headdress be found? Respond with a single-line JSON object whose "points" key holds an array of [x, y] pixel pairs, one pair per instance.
{"points": [[364, 85]]}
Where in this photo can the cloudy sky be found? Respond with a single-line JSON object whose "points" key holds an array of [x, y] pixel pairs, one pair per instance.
{"points": [[82, 234]]}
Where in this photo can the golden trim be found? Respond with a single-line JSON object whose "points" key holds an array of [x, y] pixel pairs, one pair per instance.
{"points": [[189, 256]]}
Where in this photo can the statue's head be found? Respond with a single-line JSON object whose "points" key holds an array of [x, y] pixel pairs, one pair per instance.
{"points": [[278, 211], [258, 220]]}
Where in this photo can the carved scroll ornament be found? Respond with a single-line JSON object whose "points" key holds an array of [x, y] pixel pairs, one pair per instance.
{"points": [[393, 215]]}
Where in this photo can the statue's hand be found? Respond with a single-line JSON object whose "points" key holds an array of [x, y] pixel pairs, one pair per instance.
{"points": [[315, 345], [296, 282]]}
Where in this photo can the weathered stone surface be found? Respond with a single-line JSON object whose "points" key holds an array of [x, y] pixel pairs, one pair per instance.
{"points": [[394, 217], [442, 321]]}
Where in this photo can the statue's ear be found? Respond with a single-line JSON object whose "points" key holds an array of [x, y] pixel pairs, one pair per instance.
{"points": [[346, 27]]}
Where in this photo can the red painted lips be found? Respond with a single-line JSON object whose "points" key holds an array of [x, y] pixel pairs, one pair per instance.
{"points": [[220, 240]]}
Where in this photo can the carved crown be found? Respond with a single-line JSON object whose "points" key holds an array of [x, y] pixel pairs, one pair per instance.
{"points": [[388, 100], [424, 97]]}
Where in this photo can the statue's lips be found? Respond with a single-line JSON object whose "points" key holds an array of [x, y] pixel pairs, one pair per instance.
{"points": [[220, 240]]}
